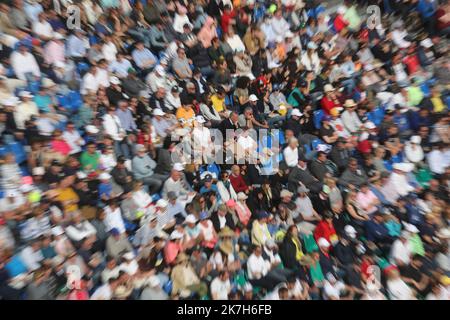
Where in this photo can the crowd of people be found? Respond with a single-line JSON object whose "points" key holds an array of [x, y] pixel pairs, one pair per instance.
{"points": [[347, 201]]}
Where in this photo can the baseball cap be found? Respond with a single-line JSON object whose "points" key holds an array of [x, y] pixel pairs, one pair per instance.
{"points": [[253, 98]]}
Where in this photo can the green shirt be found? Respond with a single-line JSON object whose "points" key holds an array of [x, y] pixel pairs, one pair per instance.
{"points": [[91, 160], [415, 96], [316, 272], [351, 15], [416, 245]]}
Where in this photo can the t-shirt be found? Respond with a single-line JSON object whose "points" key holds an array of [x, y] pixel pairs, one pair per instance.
{"points": [[218, 103], [220, 288]]}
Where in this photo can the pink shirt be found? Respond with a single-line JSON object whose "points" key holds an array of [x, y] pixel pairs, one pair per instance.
{"points": [[61, 146], [54, 52], [365, 199]]}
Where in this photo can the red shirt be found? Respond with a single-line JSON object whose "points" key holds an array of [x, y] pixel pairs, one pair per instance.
{"points": [[328, 104], [412, 63], [324, 230], [225, 21], [238, 183], [340, 23]]}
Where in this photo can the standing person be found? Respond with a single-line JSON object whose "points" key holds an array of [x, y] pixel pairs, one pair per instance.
{"points": [[113, 127]]}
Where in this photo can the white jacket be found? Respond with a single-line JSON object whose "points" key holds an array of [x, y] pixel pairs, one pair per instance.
{"points": [[226, 194]]}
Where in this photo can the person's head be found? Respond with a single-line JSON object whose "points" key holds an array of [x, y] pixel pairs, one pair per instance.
{"points": [[224, 275], [257, 250], [123, 105], [283, 293], [140, 45], [353, 164], [321, 156], [91, 147]]}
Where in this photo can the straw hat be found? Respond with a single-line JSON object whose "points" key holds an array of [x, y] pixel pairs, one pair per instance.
{"points": [[226, 232]]}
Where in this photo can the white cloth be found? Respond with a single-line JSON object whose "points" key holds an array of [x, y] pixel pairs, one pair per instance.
{"points": [[109, 51], [74, 140], [78, 232], [290, 156], [112, 126], [24, 63], [220, 289], [401, 184], [351, 121], [43, 29], [399, 290], [414, 153], [32, 259], [90, 83], [437, 161], [401, 251], [257, 267], [236, 43], [113, 219]]}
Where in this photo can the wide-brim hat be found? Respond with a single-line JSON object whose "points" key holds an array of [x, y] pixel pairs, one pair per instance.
{"points": [[226, 232]]}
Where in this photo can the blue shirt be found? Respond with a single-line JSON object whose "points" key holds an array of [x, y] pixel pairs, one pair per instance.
{"points": [[427, 8], [140, 56], [402, 122], [32, 11], [43, 103], [104, 189], [213, 188], [76, 47], [126, 119], [376, 231], [376, 115], [15, 266], [121, 68]]}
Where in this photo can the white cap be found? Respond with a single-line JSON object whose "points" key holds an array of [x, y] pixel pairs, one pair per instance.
{"points": [[253, 98], [289, 34], [242, 196], [38, 171], [26, 188], [296, 113], [81, 175], [312, 45], [26, 94], [129, 255], [341, 10], [350, 231], [162, 203], [190, 219], [427, 43], [178, 166], [104, 176], [57, 231], [59, 64], [416, 139], [153, 281], [114, 80], [140, 147], [200, 119], [91, 129], [331, 277], [328, 87], [57, 36], [12, 193], [176, 235], [158, 112], [322, 242], [323, 148], [403, 166], [160, 70], [411, 228], [12, 102], [370, 125]]}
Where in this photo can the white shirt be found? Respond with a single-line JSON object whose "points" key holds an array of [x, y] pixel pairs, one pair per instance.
{"points": [[90, 83], [78, 232], [414, 153], [290, 156], [257, 267], [74, 140], [112, 126], [398, 38], [109, 51], [351, 121], [437, 161], [131, 268], [108, 161], [201, 137], [113, 219], [236, 43], [24, 63], [179, 21], [220, 288], [43, 29], [280, 26], [102, 77], [102, 293], [23, 112], [32, 259], [401, 251], [399, 290], [333, 290], [400, 183]]}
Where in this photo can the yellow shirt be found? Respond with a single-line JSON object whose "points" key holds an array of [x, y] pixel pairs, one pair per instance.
{"points": [[218, 104], [438, 105], [188, 116], [67, 194]]}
